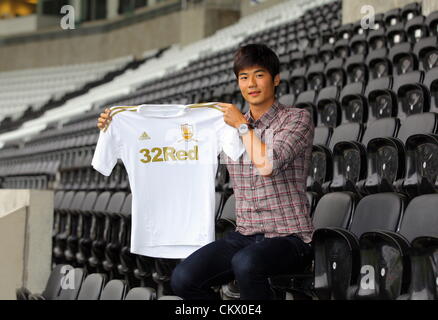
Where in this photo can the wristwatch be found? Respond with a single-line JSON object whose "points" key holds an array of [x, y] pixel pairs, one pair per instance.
{"points": [[244, 128]]}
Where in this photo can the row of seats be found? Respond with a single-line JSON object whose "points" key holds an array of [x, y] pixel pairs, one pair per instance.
{"points": [[68, 283]]}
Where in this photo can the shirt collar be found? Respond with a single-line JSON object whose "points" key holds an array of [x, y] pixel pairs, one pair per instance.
{"points": [[266, 118]]}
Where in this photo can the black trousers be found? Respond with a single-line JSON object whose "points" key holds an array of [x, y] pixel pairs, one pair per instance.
{"points": [[248, 259]]}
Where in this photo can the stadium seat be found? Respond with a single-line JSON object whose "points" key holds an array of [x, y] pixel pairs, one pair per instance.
{"points": [[426, 51], [356, 69], [432, 23], [298, 81], [329, 110], [84, 235], [378, 63], [416, 29], [321, 169], [381, 99], [337, 260], [52, 289], [92, 287], [377, 39], [349, 166], [306, 100], [421, 168], [386, 165], [431, 83], [390, 276], [111, 242], [315, 76], [114, 290], [354, 106], [412, 96], [359, 44], [346, 132], [141, 293], [71, 284], [335, 73], [418, 123], [403, 58]]}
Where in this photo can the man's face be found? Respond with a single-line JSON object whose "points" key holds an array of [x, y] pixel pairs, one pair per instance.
{"points": [[257, 85]]}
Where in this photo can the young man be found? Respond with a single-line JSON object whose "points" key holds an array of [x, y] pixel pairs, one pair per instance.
{"points": [[274, 227]]}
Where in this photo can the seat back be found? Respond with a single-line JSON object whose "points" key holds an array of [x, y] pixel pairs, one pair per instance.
{"points": [[141, 293], [114, 290], [381, 211], [334, 210], [92, 287]]}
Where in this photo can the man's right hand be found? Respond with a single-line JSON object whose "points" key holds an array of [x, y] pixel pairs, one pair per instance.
{"points": [[104, 119]]}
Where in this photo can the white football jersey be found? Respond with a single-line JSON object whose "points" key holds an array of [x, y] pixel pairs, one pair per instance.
{"points": [[170, 153]]}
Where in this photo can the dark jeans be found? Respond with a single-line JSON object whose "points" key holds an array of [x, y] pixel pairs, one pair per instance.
{"points": [[248, 259]]}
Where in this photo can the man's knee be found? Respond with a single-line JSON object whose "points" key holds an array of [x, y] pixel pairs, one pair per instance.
{"points": [[245, 263], [181, 279]]}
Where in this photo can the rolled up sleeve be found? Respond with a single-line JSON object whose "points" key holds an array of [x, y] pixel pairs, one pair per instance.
{"points": [[292, 140]]}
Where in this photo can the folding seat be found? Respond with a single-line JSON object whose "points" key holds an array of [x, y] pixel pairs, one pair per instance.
{"points": [[384, 127], [84, 230], [114, 290], [111, 244], [396, 34], [52, 288], [303, 40], [334, 209], [321, 170], [287, 99], [412, 96], [60, 216], [392, 264], [71, 284], [416, 29], [379, 22], [297, 82], [326, 53], [97, 232], [283, 87], [354, 106], [382, 101], [337, 255], [306, 100], [432, 23], [386, 165], [345, 32], [322, 136], [346, 132], [378, 63], [377, 39], [421, 164], [358, 30], [92, 287], [421, 123], [335, 73], [410, 11], [426, 51], [431, 83], [315, 76], [359, 44], [222, 178], [349, 166], [141, 293], [328, 107], [403, 58], [297, 60], [419, 227], [341, 48], [356, 69], [392, 17], [71, 224], [226, 221], [311, 56]]}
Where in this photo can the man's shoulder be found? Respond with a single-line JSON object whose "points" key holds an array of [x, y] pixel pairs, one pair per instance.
{"points": [[294, 112]]}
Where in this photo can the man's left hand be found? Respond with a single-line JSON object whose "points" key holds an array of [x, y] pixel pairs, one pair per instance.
{"points": [[232, 115]]}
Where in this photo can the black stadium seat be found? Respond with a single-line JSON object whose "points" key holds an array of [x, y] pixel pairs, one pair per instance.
{"points": [[92, 287]]}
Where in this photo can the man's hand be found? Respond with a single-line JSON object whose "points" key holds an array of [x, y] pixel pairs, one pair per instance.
{"points": [[232, 115], [104, 119]]}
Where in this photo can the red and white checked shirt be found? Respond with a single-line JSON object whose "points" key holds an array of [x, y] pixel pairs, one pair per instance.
{"points": [[276, 205]]}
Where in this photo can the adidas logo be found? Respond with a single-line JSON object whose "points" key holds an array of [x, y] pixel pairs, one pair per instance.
{"points": [[144, 136]]}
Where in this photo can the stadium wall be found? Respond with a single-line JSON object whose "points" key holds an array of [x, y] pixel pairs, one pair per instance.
{"points": [[26, 220]]}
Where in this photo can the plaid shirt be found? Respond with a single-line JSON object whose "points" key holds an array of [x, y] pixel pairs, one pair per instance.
{"points": [[276, 205]]}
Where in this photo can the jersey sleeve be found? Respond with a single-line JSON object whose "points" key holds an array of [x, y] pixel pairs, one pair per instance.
{"points": [[107, 151], [229, 140]]}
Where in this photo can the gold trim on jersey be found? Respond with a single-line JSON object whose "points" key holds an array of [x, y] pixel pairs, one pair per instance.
{"points": [[135, 108]]}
